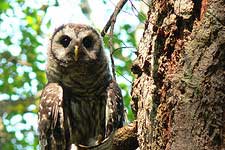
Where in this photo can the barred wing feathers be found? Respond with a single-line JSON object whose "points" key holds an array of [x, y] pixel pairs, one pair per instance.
{"points": [[114, 108], [51, 117]]}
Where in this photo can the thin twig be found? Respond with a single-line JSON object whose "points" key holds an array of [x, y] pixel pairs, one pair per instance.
{"points": [[146, 3], [111, 48], [122, 48], [110, 24], [121, 10], [124, 77], [135, 9], [119, 6]]}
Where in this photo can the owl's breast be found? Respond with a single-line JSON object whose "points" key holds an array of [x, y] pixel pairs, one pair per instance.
{"points": [[87, 82], [87, 115], [85, 96]]}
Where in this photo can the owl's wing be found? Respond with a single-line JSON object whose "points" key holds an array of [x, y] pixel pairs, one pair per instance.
{"points": [[51, 118], [114, 108]]}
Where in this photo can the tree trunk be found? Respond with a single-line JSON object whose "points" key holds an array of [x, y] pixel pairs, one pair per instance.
{"points": [[179, 92]]}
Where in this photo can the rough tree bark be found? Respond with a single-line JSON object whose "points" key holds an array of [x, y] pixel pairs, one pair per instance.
{"points": [[179, 93]]}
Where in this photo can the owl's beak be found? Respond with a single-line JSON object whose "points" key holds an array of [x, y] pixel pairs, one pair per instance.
{"points": [[76, 53]]}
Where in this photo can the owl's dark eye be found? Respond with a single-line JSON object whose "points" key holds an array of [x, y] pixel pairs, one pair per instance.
{"points": [[65, 40], [88, 42]]}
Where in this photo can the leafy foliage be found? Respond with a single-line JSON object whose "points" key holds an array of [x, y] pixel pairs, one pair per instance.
{"points": [[122, 54], [22, 75], [22, 63]]}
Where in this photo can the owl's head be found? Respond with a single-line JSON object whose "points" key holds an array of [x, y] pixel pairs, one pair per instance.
{"points": [[75, 44]]}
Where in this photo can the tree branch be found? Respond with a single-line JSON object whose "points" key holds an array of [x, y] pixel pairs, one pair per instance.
{"points": [[112, 18], [124, 138], [111, 23]]}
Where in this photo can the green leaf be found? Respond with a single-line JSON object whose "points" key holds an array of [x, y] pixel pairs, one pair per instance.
{"points": [[4, 5], [141, 16]]}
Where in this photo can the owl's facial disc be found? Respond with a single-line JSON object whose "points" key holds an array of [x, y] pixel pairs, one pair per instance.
{"points": [[74, 44], [87, 43], [88, 46]]}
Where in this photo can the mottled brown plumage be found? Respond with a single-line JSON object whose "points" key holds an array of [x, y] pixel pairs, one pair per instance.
{"points": [[81, 104]]}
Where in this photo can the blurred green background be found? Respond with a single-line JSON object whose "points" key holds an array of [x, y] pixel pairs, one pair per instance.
{"points": [[25, 27]]}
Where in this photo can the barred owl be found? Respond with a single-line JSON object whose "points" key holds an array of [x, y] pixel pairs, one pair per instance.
{"points": [[82, 103]]}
